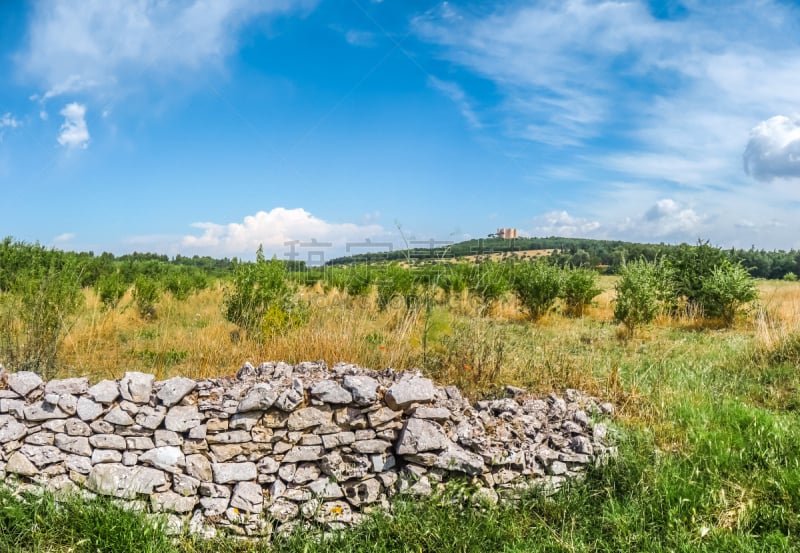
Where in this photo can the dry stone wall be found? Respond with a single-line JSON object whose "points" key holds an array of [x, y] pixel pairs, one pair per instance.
{"points": [[280, 444]]}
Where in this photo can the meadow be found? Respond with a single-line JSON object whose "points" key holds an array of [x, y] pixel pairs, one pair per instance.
{"points": [[707, 418]]}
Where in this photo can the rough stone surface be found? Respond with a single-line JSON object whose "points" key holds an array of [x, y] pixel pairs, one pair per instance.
{"points": [[290, 443]]}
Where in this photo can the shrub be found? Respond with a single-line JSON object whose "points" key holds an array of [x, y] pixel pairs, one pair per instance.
{"points": [[537, 285], [489, 281], [181, 282], [35, 315], [642, 291], [726, 290], [146, 293], [790, 277], [110, 288], [262, 300], [394, 281], [578, 289], [359, 280]]}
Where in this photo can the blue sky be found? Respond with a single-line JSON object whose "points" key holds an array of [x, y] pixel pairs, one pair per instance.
{"points": [[210, 126]]}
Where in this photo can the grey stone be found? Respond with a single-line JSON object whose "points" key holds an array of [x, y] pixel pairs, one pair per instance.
{"points": [[24, 382], [52, 399], [455, 458], [433, 413], [198, 432], [343, 467], [105, 391], [283, 510], [150, 417], [136, 386], [557, 468], [118, 417], [214, 506], [11, 429], [168, 458], [247, 496], [268, 465], [415, 390], [129, 459], [233, 472], [243, 421], [361, 493], [79, 445], [226, 452], [306, 472], [308, 418], [175, 389], [185, 485], [54, 425], [364, 389], [234, 437], [183, 418], [371, 446], [76, 386], [13, 406], [331, 441], [20, 464], [303, 453], [139, 442], [173, 502], [125, 482], [199, 466], [382, 462], [324, 488], [168, 437], [76, 427], [420, 435], [382, 415], [41, 438], [106, 456], [41, 411], [68, 403], [208, 489], [101, 427], [259, 398], [291, 398], [107, 441], [42, 455], [329, 391], [78, 463], [581, 444]]}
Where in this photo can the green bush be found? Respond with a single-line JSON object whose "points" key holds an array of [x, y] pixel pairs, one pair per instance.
{"points": [[643, 289], [110, 288], [537, 286], [146, 293], [578, 289], [35, 315], [726, 290], [488, 281], [262, 299], [392, 282], [790, 277], [359, 280], [181, 282]]}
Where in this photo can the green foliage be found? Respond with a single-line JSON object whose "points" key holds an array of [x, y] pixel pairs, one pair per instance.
{"points": [[455, 278], [262, 299], [692, 265], [489, 281], [359, 280], [726, 290], [183, 281], [790, 277], [392, 282], [36, 312], [578, 289], [110, 288], [146, 294], [537, 286], [641, 290]]}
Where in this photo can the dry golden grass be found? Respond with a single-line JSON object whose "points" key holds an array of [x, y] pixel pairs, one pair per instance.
{"points": [[451, 342]]}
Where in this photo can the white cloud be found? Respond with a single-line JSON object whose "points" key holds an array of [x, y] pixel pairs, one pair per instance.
{"points": [[561, 223], [65, 237], [7, 121], [456, 94], [74, 132], [773, 150], [273, 229], [355, 37], [666, 219], [95, 44]]}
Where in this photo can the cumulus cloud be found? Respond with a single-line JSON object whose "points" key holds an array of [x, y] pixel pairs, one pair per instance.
{"points": [[667, 218], [274, 229], [65, 237], [92, 44], [773, 150], [74, 132], [561, 223]]}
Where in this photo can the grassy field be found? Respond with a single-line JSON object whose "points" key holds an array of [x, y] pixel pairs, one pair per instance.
{"points": [[708, 422]]}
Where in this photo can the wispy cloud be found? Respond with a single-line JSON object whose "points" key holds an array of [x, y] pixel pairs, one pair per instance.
{"points": [[453, 91], [74, 133], [97, 45], [65, 237], [7, 121]]}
